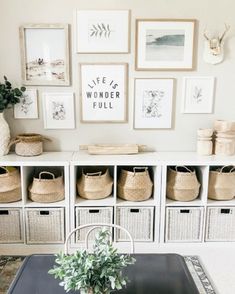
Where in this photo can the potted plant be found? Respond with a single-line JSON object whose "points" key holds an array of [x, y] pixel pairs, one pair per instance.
{"points": [[98, 272], [8, 97]]}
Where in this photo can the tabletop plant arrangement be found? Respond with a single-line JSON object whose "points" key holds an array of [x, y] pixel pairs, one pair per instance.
{"points": [[99, 272], [9, 96]]}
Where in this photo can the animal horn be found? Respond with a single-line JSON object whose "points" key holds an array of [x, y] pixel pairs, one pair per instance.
{"points": [[205, 35], [227, 27]]}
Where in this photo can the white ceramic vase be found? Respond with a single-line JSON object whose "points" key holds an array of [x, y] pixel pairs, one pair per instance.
{"points": [[4, 135]]}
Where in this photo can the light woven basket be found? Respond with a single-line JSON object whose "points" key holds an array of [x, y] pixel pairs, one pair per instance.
{"points": [[47, 190], [222, 183], [28, 144], [95, 184], [182, 185], [135, 185], [10, 186]]}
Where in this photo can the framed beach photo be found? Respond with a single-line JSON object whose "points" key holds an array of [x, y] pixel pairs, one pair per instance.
{"points": [[58, 110], [102, 31], [28, 106], [198, 94], [165, 44], [45, 54], [153, 103], [103, 93]]}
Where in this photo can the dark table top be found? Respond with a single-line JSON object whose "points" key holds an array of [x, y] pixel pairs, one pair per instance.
{"points": [[151, 274]]}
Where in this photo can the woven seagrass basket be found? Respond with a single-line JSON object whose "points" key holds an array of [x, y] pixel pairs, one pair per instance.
{"points": [[47, 188], [135, 184], [10, 187], [29, 144], [222, 183], [182, 184], [95, 183]]}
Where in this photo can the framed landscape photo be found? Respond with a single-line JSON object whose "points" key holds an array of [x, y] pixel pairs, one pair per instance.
{"points": [[165, 44], [102, 31], [103, 93], [198, 94], [153, 103], [28, 106], [58, 110], [45, 54]]}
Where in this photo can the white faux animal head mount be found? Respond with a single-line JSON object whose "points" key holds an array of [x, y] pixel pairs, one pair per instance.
{"points": [[213, 50]]}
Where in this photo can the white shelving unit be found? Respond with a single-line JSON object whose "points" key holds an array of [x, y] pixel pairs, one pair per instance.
{"points": [[71, 164], [49, 161]]}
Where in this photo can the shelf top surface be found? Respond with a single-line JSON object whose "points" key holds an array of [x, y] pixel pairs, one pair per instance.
{"points": [[47, 158], [144, 158]]}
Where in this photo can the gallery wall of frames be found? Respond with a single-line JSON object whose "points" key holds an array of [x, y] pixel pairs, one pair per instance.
{"points": [[131, 74]]}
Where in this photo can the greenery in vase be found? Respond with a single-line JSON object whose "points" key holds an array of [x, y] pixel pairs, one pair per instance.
{"points": [[99, 271], [9, 95]]}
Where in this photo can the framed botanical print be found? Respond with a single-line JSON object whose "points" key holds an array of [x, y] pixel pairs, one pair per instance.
{"points": [[45, 54], [28, 106], [153, 103], [198, 94], [165, 44], [103, 93], [102, 31], [58, 110]]}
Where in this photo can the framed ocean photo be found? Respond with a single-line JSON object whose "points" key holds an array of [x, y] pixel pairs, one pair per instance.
{"points": [[163, 44], [45, 54]]}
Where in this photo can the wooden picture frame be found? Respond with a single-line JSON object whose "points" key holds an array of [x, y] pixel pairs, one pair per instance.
{"points": [[102, 31], [45, 54], [101, 81], [153, 103], [165, 44]]}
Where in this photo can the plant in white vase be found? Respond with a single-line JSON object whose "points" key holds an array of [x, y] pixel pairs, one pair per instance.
{"points": [[98, 272], [9, 96]]}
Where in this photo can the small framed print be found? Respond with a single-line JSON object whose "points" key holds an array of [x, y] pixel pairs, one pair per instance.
{"points": [[45, 54], [102, 31], [103, 93], [165, 44], [58, 110], [153, 103], [28, 106], [198, 94]]}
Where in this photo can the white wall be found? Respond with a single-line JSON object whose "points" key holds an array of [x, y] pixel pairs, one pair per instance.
{"points": [[210, 13]]}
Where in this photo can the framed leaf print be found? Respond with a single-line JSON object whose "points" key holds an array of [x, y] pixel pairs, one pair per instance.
{"points": [[102, 31]]}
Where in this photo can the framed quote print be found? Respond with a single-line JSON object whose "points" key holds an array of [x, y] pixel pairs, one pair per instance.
{"points": [[198, 94], [164, 44], [45, 54], [102, 31], [153, 103], [103, 93]]}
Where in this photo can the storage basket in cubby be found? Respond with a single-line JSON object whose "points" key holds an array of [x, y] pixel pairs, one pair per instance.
{"points": [[184, 224], [137, 220], [11, 225], [95, 183], [182, 184], [90, 215], [44, 225], [222, 183], [220, 225], [47, 187], [10, 186], [134, 184]]}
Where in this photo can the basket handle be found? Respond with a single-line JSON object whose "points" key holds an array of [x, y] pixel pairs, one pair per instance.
{"points": [[222, 168], [189, 170], [46, 172], [95, 226], [94, 174], [139, 168], [4, 168]]}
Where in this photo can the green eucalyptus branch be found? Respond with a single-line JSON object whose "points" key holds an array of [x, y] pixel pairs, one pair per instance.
{"points": [[9, 96]]}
